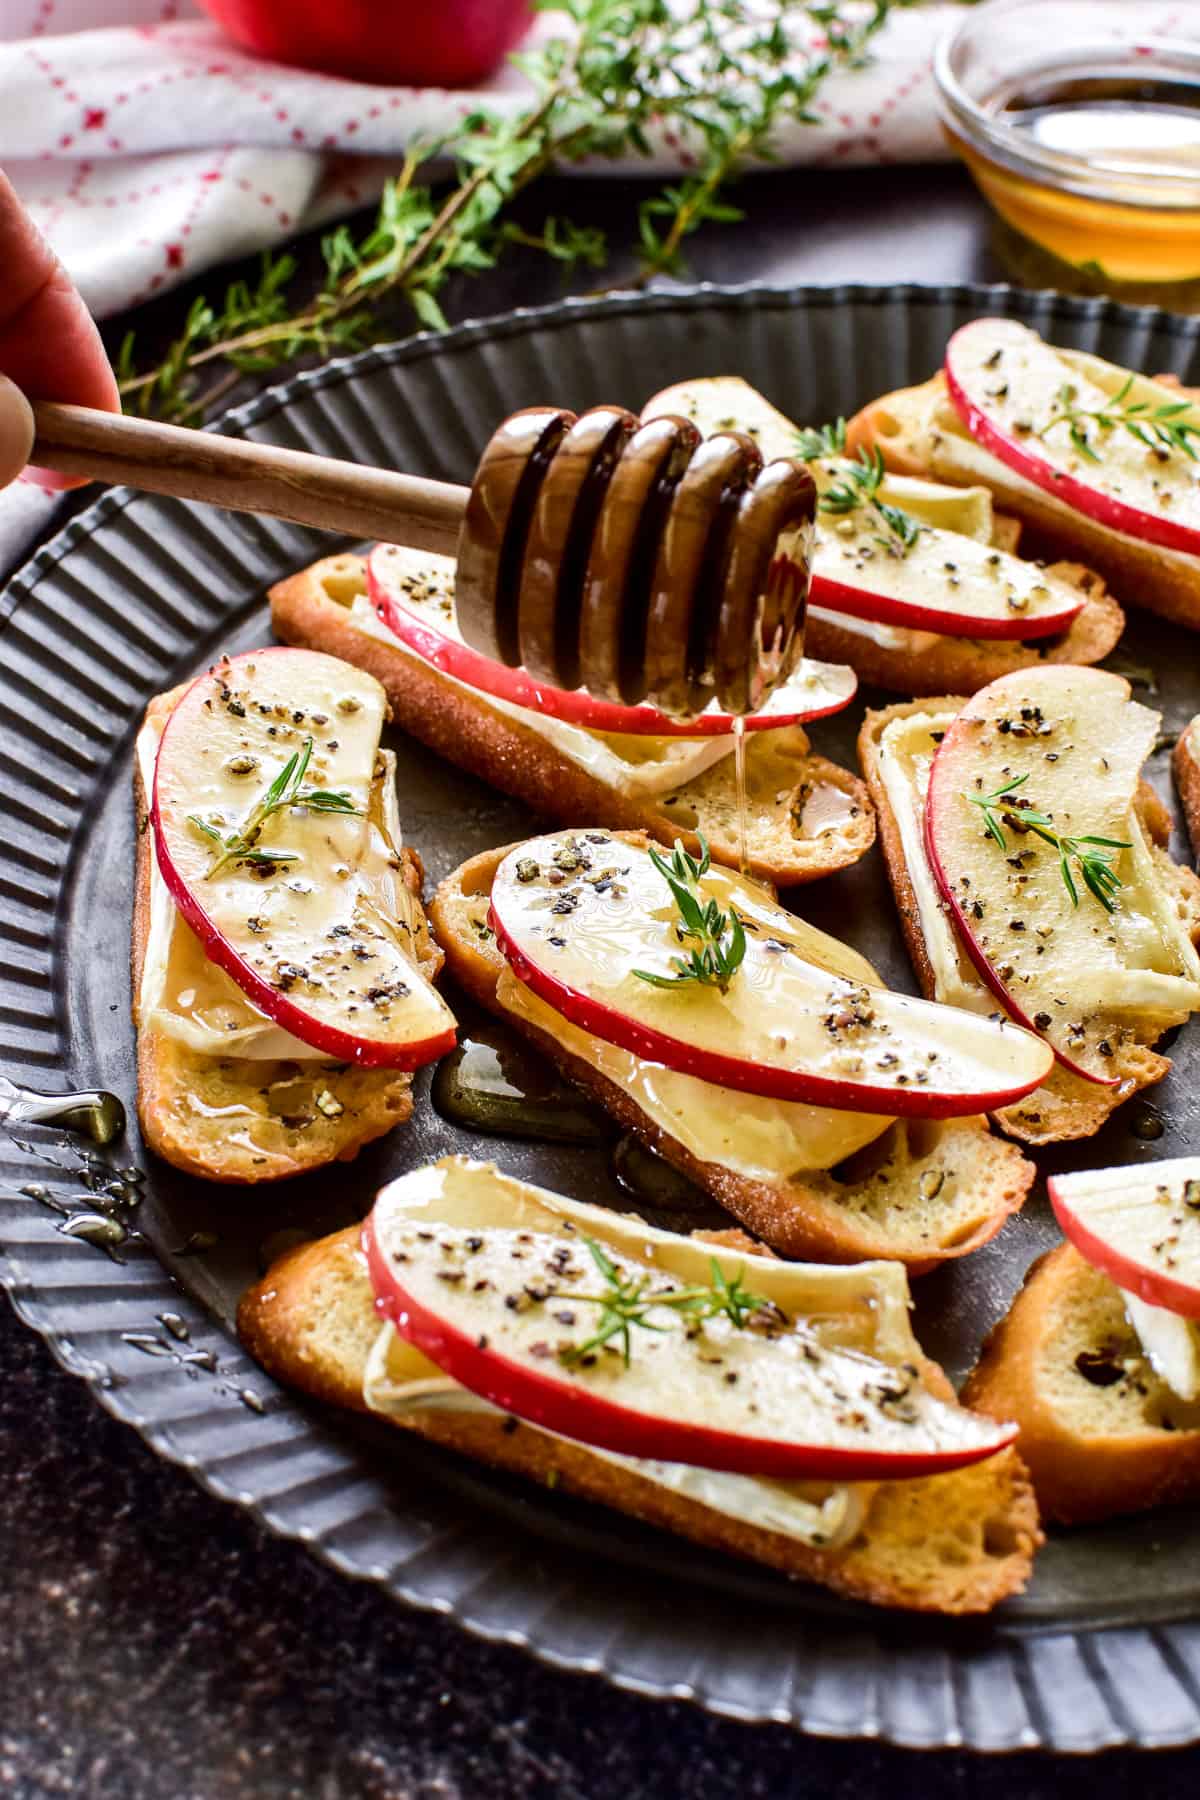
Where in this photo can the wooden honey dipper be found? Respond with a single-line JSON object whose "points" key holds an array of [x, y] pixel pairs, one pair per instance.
{"points": [[634, 560]]}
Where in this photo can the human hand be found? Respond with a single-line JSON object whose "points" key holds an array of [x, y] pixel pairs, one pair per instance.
{"points": [[49, 346]]}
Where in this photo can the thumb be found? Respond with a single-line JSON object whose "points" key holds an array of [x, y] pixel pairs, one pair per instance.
{"points": [[16, 431]]}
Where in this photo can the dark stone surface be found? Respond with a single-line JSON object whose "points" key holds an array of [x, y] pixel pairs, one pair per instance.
{"points": [[155, 1642]]}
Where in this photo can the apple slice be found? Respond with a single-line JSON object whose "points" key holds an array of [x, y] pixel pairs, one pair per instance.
{"points": [[413, 594], [1007, 385], [307, 912], [949, 579], [1140, 1225], [582, 917], [1067, 745], [513, 1311]]}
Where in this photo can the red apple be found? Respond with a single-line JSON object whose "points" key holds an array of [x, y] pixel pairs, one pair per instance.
{"points": [[309, 915], [1006, 383], [1066, 746], [582, 918], [509, 1313], [454, 44], [1140, 1225], [410, 591], [993, 596], [944, 581]]}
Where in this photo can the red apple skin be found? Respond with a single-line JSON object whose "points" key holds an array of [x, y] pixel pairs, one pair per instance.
{"points": [[342, 1046], [559, 1404], [1148, 1284], [1151, 528], [453, 44], [574, 707], [736, 1072], [973, 948], [884, 609]]}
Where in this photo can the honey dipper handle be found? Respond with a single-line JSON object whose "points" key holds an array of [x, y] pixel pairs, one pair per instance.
{"points": [[250, 477]]}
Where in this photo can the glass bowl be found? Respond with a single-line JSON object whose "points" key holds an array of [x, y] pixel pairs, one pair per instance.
{"points": [[1080, 123]]}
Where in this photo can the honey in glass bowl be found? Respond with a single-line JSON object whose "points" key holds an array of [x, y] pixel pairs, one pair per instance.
{"points": [[1081, 125]]}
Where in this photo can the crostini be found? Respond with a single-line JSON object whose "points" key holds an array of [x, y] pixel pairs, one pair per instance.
{"points": [[806, 817], [1098, 1359], [281, 960], [478, 1311], [915, 583], [913, 1173], [1044, 886], [1096, 459]]}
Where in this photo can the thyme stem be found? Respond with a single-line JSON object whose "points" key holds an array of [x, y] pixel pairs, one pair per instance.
{"points": [[626, 1300], [287, 789]]}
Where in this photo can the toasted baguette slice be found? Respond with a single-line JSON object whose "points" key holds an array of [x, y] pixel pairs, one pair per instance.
{"points": [[789, 840], [922, 1193], [1185, 765], [1101, 1439], [1066, 1106], [918, 432], [238, 1120], [956, 1543]]}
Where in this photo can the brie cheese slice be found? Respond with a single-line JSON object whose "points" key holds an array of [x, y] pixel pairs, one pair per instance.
{"points": [[1171, 1344]]}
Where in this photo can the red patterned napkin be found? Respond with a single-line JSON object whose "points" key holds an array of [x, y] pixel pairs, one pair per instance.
{"points": [[148, 147]]}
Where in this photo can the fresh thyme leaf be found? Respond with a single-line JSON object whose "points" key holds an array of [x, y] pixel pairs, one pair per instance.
{"points": [[1163, 429], [720, 947], [626, 1300], [210, 831], [722, 75], [1093, 854], [285, 790]]}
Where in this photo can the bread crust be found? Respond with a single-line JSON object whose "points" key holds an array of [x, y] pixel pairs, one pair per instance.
{"points": [[874, 1211], [172, 1079], [1065, 1107], [1026, 1371], [902, 425], [956, 1543], [963, 665], [1185, 766], [460, 726]]}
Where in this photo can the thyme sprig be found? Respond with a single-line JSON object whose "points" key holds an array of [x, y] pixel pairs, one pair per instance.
{"points": [[626, 1300], [1162, 429], [1094, 855], [286, 790], [722, 76], [857, 485], [717, 943]]}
